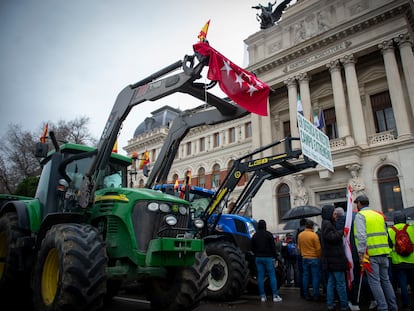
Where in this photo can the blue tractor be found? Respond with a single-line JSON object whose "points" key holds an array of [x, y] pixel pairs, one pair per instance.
{"points": [[227, 236]]}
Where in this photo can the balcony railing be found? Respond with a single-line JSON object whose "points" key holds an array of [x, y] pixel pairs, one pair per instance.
{"points": [[382, 138]]}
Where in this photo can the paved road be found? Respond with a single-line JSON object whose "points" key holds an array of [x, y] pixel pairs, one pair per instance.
{"points": [[291, 302]]}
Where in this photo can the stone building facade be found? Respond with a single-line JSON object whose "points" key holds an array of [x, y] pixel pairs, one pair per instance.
{"points": [[351, 62]]}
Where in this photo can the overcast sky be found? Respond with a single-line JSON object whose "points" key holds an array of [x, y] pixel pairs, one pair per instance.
{"points": [[62, 59]]}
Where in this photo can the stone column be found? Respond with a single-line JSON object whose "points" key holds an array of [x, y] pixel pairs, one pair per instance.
{"points": [[407, 58], [395, 88], [293, 97], [339, 99], [354, 98], [305, 94]]}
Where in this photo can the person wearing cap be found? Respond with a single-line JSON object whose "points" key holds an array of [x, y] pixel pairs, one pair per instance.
{"points": [[371, 238], [403, 266]]}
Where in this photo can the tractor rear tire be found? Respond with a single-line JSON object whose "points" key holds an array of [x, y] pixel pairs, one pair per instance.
{"points": [[14, 278], [229, 272], [183, 289], [69, 272]]}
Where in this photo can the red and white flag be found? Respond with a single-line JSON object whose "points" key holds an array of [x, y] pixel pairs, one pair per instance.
{"points": [[346, 240], [243, 87]]}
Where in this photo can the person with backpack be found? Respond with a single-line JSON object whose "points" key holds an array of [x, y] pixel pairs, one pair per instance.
{"points": [[371, 239], [401, 237], [291, 261]]}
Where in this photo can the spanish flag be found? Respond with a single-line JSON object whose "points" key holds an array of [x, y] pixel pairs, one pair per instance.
{"points": [[203, 32], [176, 185], [44, 134], [115, 147]]}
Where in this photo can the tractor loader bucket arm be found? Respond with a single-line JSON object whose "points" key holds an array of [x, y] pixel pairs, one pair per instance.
{"points": [[264, 168], [152, 88], [179, 129]]}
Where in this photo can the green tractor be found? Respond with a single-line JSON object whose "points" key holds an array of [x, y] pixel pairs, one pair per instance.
{"points": [[85, 234], [66, 256]]}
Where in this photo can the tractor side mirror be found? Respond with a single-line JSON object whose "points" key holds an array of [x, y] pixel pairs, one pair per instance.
{"points": [[41, 150]]}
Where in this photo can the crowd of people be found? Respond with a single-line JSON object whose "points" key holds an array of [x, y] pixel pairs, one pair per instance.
{"points": [[320, 262]]}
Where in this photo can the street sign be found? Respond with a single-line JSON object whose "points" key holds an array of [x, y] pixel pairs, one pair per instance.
{"points": [[315, 143]]}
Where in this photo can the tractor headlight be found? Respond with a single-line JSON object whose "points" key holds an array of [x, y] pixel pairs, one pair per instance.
{"points": [[198, 223], [251, 229], [153, 206], [183, 210], [164, 208], [171, 220]]}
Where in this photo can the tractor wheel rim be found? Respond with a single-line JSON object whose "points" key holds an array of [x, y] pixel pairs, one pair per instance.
{"points": [[50, 277], [220, 273]]}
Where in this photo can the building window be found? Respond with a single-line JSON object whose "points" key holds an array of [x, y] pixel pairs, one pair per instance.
{"points": [[141, 183], [248, 130], [215, 179], [383, 113], [286, 129], [389, 189], [216, 139], [201, 180], [232, 135], [202, 144], [283, 201], [331, 128], [153, 154], [189, 148]]}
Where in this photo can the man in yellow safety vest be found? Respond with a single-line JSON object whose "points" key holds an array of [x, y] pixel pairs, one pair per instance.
{"points": [[371, 239]]}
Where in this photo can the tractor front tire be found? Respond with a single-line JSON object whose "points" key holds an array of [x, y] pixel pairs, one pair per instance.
{"points": [[229, 273], [183, 289], [69, 272]]}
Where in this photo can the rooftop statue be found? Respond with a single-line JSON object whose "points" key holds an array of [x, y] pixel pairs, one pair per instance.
{"points": [[268, 17]]}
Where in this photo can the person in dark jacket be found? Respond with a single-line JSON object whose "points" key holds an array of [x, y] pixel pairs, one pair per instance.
{"points": [[333, 257], [264, 249]]}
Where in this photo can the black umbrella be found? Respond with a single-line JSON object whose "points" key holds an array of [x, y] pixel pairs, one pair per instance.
{"points": [[292, 224], [302, 211], [409, 212]]}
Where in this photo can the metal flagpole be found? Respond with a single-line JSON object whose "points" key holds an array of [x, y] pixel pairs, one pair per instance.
{"points": [[361, 275]]}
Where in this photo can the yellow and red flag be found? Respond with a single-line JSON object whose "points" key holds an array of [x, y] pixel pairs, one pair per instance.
{"points": [[203, 32], [44, 134], [145, 159], [115, 147], [176, 185]]}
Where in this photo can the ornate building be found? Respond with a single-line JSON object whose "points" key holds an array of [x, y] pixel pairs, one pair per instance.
{"points": [[352, 63]]}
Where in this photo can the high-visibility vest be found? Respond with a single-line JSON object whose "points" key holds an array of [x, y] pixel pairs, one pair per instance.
{"points": [[396, 258], [377, 236]]}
